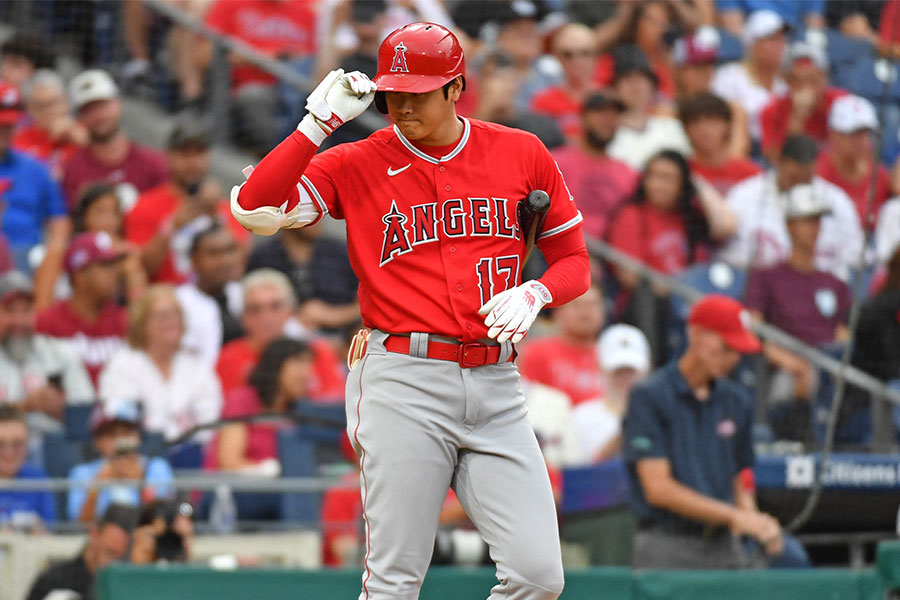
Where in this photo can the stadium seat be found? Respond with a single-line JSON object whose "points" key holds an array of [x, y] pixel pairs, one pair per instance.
{"points": [[77, 419], [869, 77], [298, 459], [730, 47]]}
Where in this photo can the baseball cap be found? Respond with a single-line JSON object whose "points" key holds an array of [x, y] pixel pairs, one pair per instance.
{"points": [[601, 100], [699, 48], [10, 104], [89, 248], [802, 50], [852, 113], [630, 59], [189, 131], [623, 346], [761, 24], [105, 414], [802, 201], [728, 318], [15, 284], [90, 86]]}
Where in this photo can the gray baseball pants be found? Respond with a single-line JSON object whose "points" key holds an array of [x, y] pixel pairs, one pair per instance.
{"points": [[421, 426]]}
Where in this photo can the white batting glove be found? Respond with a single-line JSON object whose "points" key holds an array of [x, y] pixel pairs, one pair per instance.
{"points": [[339, 98], [267, 220], [511, 313]]}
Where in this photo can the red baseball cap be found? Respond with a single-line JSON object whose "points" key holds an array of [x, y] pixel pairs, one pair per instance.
{"points": [[10, 105], [727, 317], [89, 248]]}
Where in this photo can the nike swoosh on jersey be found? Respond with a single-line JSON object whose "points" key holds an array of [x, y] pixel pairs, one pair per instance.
{"points": [[392, 171]]}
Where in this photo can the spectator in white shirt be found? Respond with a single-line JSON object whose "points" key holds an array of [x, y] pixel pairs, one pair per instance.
{"points": [[762, 239], [753, 82], [177, 389], [641, 134], [212, 304], [887, 230]]}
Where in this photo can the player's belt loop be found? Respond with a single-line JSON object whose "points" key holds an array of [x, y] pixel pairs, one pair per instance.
{"points": [[418, 345], [506, 351]]}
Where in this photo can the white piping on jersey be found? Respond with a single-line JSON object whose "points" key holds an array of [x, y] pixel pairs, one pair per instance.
{"points": [[431, 159], [323, 209], [567, 225]]}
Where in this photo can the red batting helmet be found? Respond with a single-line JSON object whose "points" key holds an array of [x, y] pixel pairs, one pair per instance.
{"points": [[418, 58]]}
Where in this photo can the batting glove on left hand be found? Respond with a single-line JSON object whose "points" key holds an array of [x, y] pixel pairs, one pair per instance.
{"points": [[339, 98], [511, 313]]}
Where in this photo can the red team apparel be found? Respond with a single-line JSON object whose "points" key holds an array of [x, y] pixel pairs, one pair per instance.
{"points": [[38, 143], [461, 249], [570, 369], [652, 236], [775, 116], [94, 341], [724, 176], [142, 169], [858, 190]]}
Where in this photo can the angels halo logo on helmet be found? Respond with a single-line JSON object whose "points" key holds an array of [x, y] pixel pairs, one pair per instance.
{"points": [[418, 58]]}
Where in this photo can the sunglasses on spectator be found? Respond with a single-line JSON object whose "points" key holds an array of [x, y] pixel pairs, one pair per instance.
{"points": [[270, 307]]}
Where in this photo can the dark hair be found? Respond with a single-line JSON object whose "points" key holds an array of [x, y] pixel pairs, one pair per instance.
{"points": [[11, 413], [120, 515], [35, 50], [695, 225], [892, 282], [266, 374], [446, 86], [214, 228], [702, 105], [800, 148], [90, 194]]}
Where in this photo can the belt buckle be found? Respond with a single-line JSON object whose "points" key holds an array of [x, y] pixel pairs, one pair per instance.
{"points": [[472, 354]]}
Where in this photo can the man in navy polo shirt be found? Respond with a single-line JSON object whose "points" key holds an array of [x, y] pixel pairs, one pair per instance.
{"points": [[687, 437]]}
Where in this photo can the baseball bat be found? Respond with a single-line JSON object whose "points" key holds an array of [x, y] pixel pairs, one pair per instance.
{"points": [[532, 212]]}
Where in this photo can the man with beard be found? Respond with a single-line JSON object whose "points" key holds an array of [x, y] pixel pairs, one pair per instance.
{"points": [[599, 182], [110, 155], [38, 373], [167, 217]]}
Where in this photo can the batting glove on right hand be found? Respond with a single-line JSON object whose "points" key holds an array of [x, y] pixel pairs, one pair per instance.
{"points": [[511, 313], [339, 98]]}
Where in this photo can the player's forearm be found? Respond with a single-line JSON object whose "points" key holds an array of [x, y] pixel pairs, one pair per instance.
{"points": [[569, 273], [275, 178]]}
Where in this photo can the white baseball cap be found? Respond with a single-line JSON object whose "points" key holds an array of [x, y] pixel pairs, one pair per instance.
{"points": [[761, 24], [802, 201], [804, 50], [623, 346], [852, 113], [90, 86]]}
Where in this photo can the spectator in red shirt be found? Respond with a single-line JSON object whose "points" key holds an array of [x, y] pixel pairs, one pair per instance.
{"points": [[850, 157], [599, 182], [575, 49], [707, 120], [269, 304], [110, 155], [805, 107], [285, 30], [279, 380], [567, 361], [90, 320], [166, 217], [53, 135], [671, 221]]}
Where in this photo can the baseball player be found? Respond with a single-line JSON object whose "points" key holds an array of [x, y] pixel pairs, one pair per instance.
{"points": [[430, 206]]}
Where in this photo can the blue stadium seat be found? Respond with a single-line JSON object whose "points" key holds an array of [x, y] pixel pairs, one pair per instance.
{"points": [[77, 419], [730, 47], [866, 77], [298, 459], [60, 455]]}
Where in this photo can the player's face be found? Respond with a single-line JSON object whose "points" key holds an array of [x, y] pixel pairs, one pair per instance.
{"points": [[422, 117], [708, 135]]}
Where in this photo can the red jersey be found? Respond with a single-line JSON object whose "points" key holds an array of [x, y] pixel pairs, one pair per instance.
{"points": [[38, 143], [274, 28], [606, 65], [775, 116], [554, 362], [858, 190], [436, 238], [657, 238], [262, 438], [142, 169], [94, 341], [723, 176], [556, 103], [601, 184], [153, 209], [238, 358]]}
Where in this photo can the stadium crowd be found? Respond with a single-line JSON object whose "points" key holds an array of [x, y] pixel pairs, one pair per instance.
{"points": [[748, 147]]}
